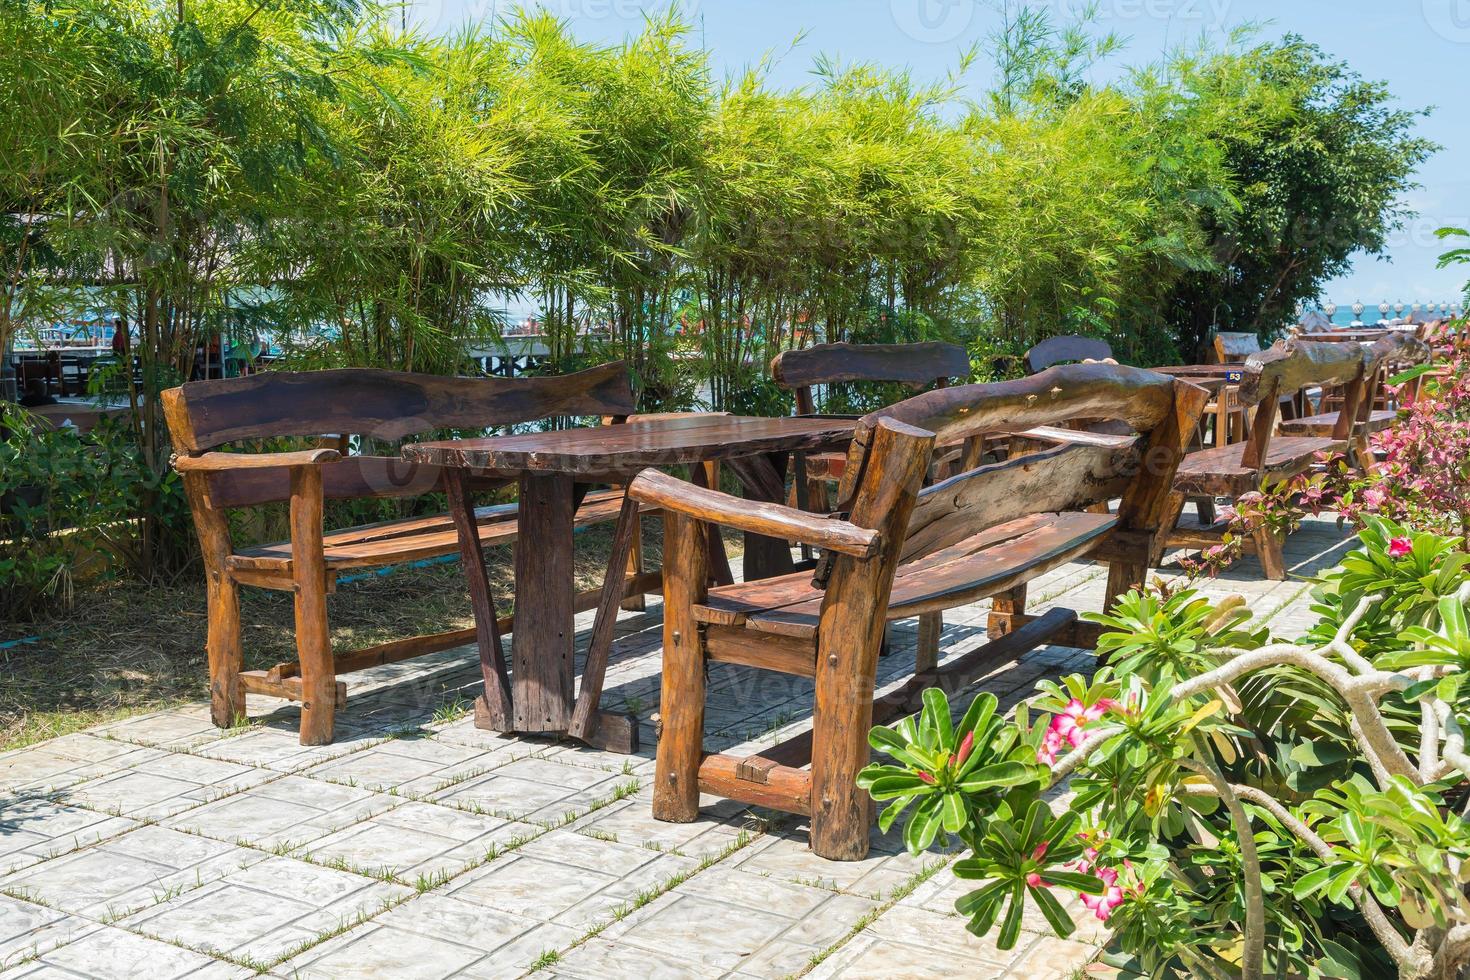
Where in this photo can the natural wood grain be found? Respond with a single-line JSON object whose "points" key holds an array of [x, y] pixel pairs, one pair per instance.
{"points": [[313, 641], [734, 645], [618, 453], [782, 788], [1063, 350], [773, 520], [387, 405], [585, 716], [850, 634], [496, 694], [681, 704], [222, 598], [914, 364], [221, 462], [1053, 397], [542, 645]]}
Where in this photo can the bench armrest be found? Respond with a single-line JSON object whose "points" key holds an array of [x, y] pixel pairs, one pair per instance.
{"points": [[772, 520], [220, 462]]}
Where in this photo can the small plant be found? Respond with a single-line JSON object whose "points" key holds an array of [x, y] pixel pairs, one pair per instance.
{"points": [[1243, 806]]}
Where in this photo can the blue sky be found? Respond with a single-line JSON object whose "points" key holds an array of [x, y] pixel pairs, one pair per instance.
{"points": [[1420, 47]]}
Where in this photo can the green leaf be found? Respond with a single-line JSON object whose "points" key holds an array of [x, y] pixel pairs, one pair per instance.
{"points": [[1056, 916]]}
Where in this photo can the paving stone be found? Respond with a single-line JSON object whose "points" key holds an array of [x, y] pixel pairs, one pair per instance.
{"points": [[137, 870], [109, 952], [529, 886], [417, 839], [36, 829], [707, 933], [287, 812], [600, 959], [872, 958], [1053, 957], [28, 930], [268, 909]]}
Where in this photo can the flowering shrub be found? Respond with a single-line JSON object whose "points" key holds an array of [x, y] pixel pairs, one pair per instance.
{"points": [[1424, 479], [1242, 806]]}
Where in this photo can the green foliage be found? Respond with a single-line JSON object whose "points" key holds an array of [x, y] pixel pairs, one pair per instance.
{"points": [[1241, 806], [68, 509]]}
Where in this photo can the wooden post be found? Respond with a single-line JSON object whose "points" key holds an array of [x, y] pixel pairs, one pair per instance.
{"points": [[1004, 608], [309, 577], [926, 654], [585, 717], [635, 603], [681, 703], [541, 644], [492, 708], [848, 637]]}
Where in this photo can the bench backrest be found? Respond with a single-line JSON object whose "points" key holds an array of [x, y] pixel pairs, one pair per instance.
{"points": [[1292, 366], [1065, 350], [1233, 348], [917, 365], [1085, 470], [384, 405], [1387, 356]]}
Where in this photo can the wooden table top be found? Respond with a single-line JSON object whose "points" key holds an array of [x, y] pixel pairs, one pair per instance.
{"points": [[626, 449]]}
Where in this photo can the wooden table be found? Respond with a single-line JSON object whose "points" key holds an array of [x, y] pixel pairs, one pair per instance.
{"points": [[554, 471]]}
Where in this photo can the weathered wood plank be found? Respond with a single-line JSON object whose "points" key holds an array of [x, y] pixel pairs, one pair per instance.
{"points": [[914, 364], [542, 645]]}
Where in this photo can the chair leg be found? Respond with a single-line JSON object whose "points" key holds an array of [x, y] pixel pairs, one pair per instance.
{"points": [[1269, 548], [681, 703], [226, 696], [926, 656], [313, 641]]}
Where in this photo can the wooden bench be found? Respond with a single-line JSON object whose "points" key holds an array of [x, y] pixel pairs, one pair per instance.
{"points": [[904, 550], [378, 407], [1264, 458], [1387, 356]]}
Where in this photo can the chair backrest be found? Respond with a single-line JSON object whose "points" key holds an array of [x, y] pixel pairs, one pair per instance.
{"points": [[1086, 469], [916, 365], [1065, 350], [384, 405], [1290, 367], [1233, 348]]}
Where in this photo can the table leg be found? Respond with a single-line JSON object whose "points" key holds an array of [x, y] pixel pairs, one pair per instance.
{"points": [[542, 641], [492, 709], [764, 478], [617, 733]]}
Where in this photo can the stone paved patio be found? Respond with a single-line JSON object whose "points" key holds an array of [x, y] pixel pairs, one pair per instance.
{"points": [[418, 846]]}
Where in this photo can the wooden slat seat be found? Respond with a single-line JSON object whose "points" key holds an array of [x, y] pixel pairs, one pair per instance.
{"points": [[1322, 425], [1222, 472], [414, 539], [979, 566]]}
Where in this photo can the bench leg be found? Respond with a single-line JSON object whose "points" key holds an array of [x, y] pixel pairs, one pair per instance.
{"points": [[313, 641], [681, 703], [926, 656], [1205, 508], [226, 660], [841, 812], [1269, 548]]}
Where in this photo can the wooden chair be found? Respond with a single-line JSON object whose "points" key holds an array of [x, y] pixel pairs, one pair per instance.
{"points": [[1065, 350], [901, 550], [1387, 356], [1238, 468], [385, 406]]}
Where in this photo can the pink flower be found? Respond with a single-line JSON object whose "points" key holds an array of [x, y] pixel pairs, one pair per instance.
{"points": [[1066, 729], [1399, 547], [926, 777]]}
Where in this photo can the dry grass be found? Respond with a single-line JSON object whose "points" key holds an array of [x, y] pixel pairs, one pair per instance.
{"points": [[127, 648]]}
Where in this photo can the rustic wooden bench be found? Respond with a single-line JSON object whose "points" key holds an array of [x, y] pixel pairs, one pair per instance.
{"points": [[1388, 355], [903, 550], [1264, 458], [375, 406]]}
